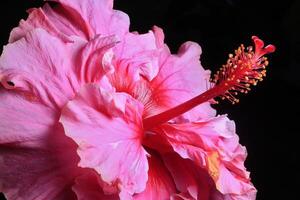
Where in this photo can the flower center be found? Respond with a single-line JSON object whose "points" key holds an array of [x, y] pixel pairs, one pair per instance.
{"points": [[242, 70]]}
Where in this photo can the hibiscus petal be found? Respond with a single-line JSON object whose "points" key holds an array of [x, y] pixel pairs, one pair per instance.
{"points": [[88, 187], [190, 180], [36, 65], [212, 145], [160, 184], [137, 57], [159, 36], [133, 44], [37, 161], [136, 64], [180, 78], [236, 187], [106, 126], [96, 59], [99, 15], [83, 18], [36, 19], [50, 77]]}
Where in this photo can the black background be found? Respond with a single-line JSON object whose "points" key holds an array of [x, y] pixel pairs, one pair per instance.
{"points": [[267, 119]]}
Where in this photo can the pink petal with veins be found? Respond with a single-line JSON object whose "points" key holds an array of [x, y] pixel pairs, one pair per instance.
{"points": [[99, 16], [160, 184], [192, 182], [50, 77], [180, 77], [36, 65], [95, 59], [106, 126], [37, 161], [84, 19], [213, 145], [88, 186], [37, 19]]}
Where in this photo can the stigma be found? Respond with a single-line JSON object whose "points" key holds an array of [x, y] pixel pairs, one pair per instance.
{"points": [[243, 69]]}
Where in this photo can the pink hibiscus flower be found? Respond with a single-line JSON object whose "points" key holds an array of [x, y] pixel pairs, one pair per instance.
{"points": [[90, 111]]}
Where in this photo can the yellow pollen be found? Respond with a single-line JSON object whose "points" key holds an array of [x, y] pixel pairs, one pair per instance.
{"points": [[213, 165]]}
